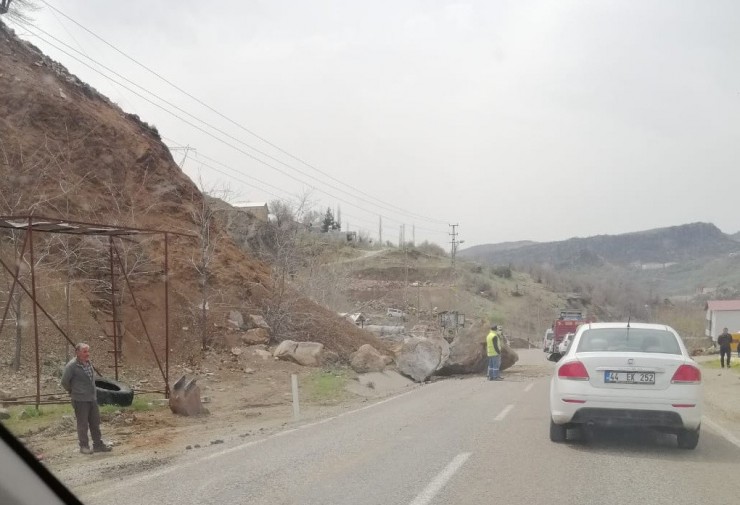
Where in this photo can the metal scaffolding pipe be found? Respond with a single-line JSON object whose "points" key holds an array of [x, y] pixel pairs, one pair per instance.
{"points": [[166, 318], [35, 318]]}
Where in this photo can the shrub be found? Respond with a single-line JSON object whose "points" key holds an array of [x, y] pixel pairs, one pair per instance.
{"points": [[504, 272]]}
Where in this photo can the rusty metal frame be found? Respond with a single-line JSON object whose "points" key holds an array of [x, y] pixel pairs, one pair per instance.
{"points": [[38, 224]]}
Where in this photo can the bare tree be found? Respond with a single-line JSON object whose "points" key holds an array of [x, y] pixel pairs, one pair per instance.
{"points": [[280, 244], [18, 10], [204, 214], [22, 192]]}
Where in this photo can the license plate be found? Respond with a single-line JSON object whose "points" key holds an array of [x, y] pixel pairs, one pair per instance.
{"points": [[629, 377]]}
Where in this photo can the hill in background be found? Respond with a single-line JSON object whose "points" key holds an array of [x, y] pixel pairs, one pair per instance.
{"points": [[660, 245], [681, 260]]}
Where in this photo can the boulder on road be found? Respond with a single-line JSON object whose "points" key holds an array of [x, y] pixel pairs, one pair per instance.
{"points": [[467, 355], [509, 357], [443, 346], [418, 358], [368, 359]]}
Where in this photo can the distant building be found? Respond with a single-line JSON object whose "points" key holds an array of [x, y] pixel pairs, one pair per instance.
{"points": [[257, 209], [722, 314], [451, 319], [358, 318]]}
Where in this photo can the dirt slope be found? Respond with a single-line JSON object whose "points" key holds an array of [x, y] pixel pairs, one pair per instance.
{"points": [[67, 151]]}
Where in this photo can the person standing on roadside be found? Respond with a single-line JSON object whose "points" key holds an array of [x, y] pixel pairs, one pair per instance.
{"points": [[724, 341], [493, 350], [79, 381]]}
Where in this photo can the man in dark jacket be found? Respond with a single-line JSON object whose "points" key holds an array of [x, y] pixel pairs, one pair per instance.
{"points": [[79, 381], [724, 342]]}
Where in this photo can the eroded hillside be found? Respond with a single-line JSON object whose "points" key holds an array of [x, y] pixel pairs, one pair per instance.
{"points": [[66, 151]]}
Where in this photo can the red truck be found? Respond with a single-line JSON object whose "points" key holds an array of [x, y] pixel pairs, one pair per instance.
{"points": [[567, 322]]}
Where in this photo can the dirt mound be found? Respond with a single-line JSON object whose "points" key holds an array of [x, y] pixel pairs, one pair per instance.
{"points": [[66, 151]]}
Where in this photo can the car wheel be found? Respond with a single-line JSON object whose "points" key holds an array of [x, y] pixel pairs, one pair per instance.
{"points": [[110, 392], [688, 439], [558, 432]]}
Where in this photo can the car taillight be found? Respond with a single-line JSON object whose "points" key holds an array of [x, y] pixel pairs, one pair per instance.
{"points": [[574, 371], [686, 374]]}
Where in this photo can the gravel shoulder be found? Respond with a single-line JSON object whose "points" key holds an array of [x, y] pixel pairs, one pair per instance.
{"points": [[721, 391]]}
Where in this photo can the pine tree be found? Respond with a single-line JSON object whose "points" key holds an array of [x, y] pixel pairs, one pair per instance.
{"points": [[328, 223]]}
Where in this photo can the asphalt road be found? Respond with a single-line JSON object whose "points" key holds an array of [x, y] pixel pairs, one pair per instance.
{"points": [[466, 441]]}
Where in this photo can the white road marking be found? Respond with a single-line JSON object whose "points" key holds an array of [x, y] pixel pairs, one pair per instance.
{"points": [[504, 412], [721, 431], [440, 480], [529, 387]]}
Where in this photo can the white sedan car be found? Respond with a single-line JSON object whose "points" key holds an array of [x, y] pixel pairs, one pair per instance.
{"points": [[630, 375]]}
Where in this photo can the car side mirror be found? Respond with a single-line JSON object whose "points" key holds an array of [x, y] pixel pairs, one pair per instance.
{"points": [[554, 357]]}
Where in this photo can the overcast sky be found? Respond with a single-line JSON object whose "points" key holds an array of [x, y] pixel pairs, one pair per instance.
{"points": [[517, 120]]}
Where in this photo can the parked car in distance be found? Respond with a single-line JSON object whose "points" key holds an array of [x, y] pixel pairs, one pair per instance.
{"points": [[627, 375], [564, 345], [395, 313], [549, 335]]}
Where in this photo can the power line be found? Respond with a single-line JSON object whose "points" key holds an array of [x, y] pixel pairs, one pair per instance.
{"points": [[170, 104], [215, 137], [282, 199], [250, 155], [242, 127]]}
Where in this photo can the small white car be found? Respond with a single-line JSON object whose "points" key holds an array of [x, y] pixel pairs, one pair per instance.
{"points": [[395, 313], [549, 335], [565, 343], [627, 375]]}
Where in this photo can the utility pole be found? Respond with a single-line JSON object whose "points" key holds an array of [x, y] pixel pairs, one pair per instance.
{"points": [[453, 251], [186, 149], [454, 242]]}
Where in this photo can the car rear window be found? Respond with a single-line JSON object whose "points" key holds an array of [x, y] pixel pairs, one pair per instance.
{"points": [[628, 340]]}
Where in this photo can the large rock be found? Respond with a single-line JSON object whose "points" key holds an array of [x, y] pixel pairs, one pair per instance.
{"points": [[468, 355], [255, 336], [259, 321], [509, 357], [368, 359], [236, 319], [418, 358], [185, 397], [265, 355], [444, 349], [303, 353]]}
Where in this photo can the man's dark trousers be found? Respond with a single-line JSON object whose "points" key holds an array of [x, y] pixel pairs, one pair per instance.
{"points": [[88, 416]]}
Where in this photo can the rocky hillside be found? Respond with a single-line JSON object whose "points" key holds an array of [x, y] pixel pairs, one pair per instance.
{"points": [[66, 151], [659, 246]]}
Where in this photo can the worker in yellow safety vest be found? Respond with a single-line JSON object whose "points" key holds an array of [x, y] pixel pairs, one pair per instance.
{"points": [[493, 349]]}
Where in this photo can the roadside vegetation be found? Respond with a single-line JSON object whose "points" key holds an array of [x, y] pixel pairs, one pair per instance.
{"points": [[27, 419], [326, 386]]}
